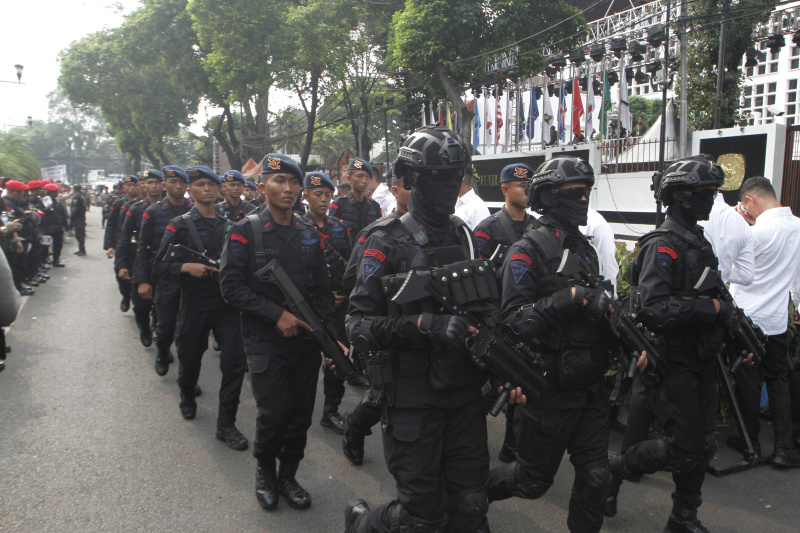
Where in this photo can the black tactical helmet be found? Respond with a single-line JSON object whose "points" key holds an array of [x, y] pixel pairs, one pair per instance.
{"points": [[431, 149], [692, 172], [556, 172]]}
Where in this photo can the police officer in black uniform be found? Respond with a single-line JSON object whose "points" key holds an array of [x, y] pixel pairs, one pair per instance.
{"points": [[367, 413], [250, 191], [54, 222], [202, 308], [116, 217], [495, 235], [77, 213], [356, 209], [125, 251], [165, 292], [234, 208], [284, 366], [16, 210], [671, 260], [563, 322], [317, 191], [435, 440]]}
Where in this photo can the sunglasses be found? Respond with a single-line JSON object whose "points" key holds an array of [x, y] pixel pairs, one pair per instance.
{"points": [[574, 193]]}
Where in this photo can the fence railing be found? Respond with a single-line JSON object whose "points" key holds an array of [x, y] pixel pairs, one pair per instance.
{"points": [[635, 154]]}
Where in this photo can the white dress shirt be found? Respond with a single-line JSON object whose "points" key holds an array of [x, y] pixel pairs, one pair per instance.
{"points": [[776, 241], [603, 241], [732, 240], [385, 198], [471, 209]]}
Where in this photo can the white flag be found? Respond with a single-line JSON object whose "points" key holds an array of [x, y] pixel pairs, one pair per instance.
{"points": [[624, 106], [547, 116], [589, 108]]}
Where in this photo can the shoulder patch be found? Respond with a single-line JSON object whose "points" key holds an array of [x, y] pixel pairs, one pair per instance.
{"points": [[522, 257], [145, 216], [170, 227], [483, 235], [237, 237], [669, 251], [377, 254]]}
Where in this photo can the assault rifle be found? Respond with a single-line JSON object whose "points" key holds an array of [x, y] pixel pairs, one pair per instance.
{"points": [[275, 273], [336, 267], [631, 334], [746, 335], [184, 254], [509, 363]]}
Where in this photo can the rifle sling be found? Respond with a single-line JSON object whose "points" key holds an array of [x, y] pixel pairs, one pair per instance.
{"points": [[258, 242], [193, 232]]}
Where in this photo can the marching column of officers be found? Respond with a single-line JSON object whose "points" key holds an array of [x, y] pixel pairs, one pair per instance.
{"points": [[194, 267]]}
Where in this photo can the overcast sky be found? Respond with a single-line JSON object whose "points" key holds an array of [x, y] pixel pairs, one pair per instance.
{"points": [[33, 34]]}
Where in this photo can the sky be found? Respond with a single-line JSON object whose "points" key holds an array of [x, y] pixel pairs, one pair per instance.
{"points": [[33, 34]]}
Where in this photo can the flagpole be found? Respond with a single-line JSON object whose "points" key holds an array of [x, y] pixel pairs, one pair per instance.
{"points": [[603, 104], [485, 123], [507, 124], [622, 79], [516, 120], [545, 94], [529, 129]]}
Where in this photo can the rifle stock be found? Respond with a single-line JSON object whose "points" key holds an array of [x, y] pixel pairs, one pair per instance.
{"points": [[275, 273]]}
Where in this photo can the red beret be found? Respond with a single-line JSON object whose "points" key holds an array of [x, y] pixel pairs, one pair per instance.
{"points": [[15, 185], [50, 187], [35, 184]]}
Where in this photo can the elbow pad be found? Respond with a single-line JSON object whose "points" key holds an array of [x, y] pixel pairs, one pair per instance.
{"points": [[360, 332]]}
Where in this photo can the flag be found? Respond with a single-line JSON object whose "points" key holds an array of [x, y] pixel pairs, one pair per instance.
{"points": [[499, 128], [589, 107], [547, 117], [424, 115], [449, 119], [441, 118], [577, 107], [533, 113], [607, 105], [520, 118], [624, 105], [458, 122], [476, 141], [562, 112]]}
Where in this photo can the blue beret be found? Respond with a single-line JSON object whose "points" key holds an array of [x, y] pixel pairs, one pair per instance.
{"points": [[152, 173], [233, 175], [197, 172], [130, 179], [318, 179], [139, 175], [279, 163], [516, 172], [174, 171], [251, 184], [360, 164]]}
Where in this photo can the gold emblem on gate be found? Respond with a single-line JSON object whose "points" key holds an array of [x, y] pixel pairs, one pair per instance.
{"points": [[734, 166]]}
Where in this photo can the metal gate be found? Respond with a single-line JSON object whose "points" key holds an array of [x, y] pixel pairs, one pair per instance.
{"points": [[790, 190]]}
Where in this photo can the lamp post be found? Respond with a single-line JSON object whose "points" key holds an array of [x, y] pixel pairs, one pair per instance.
{"points": [[379, 100]]}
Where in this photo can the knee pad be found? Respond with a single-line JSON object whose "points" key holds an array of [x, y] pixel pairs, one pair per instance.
{"points": [[596, 482], [470, 510], [677, 461]]}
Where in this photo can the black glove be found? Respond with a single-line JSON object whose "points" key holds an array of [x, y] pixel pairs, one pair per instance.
{"points": [[728, 316], [446, 329], [597, 303]]}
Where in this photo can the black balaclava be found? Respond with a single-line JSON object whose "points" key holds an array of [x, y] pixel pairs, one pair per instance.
{"points": [[568, 213], [433, 200], [689, 210]]}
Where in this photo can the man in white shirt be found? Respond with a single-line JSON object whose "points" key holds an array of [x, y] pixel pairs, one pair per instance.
{"points": [[469, 206], [602, 236], [776, 240], [383, 195], [732, 241]]}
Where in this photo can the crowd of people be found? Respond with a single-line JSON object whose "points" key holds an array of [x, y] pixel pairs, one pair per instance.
{"points": [[197, 254]]}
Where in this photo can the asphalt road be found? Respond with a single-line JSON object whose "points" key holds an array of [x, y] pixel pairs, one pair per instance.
{"points": [[91, 440]]}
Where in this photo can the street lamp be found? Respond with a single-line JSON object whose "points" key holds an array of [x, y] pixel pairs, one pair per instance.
{"points": [[379, 100], [19, 68]]}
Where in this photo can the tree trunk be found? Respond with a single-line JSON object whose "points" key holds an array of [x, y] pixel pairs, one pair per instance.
{"points": [[262, 120], [235, 158], [151, 156], [163, 155], [312, 117], [454, 95]]}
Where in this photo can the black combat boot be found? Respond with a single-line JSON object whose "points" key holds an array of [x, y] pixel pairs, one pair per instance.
{"points": [[125, 304], [683, 518], [332, 419], [616, 465], [508, 452], [188, 406], [163, 359], [267, 492], [145, 334], [296, 496], [352, 441], [227, 431], [353, 513]]}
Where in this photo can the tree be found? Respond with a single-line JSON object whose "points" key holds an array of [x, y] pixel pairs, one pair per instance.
{"points": [[17, 159], [435, 40], [649, 108], [703, 56]]}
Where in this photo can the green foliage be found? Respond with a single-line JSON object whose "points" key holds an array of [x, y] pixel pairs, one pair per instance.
{"points": [[17, 159], [703, 56], [649, 108], [624, 257]]}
